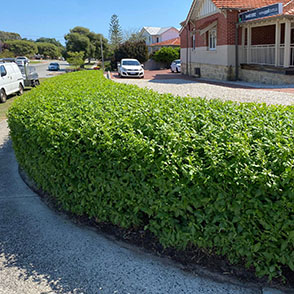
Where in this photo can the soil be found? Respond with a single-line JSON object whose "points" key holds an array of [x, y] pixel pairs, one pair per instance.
{"points": [[193, 259]]}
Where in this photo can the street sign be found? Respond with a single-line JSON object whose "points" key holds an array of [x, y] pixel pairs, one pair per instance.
{"points": [[261, 12]]}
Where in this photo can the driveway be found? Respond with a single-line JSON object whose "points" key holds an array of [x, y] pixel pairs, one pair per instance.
{"points": [[42, 68], [163, 81], [42, 252]]}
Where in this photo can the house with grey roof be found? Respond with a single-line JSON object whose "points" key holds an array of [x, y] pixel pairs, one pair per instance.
{"points": [[154, 35]]}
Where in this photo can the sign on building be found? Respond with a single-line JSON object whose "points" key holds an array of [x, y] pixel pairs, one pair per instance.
{"points": [[261, 12]]}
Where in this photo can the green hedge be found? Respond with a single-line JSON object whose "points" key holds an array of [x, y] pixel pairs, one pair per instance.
{"points": [[218, 175]]}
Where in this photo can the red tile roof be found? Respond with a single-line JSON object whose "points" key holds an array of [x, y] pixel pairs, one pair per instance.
{"points": [[171, 42], [289, 8], [245, 4]]}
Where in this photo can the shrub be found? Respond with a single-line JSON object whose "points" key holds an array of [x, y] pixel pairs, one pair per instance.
{"points": [[166, 55], [75, 58], [218, 175]]}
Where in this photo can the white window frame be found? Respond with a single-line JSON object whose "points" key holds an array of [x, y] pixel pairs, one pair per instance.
{"points": [[212, 39]]}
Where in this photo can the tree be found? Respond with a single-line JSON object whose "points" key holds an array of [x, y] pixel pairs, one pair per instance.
{"points": [[4, 36], [137, 50], [6, 54], [133, 35], [82, 39], [166, 55], [21, 47], [51, 41], [48, 49], [75, 58], [115, 33], [76, 42]]}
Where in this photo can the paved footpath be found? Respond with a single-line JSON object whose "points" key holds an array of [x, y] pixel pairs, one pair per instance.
{"points": [[42, 252]]}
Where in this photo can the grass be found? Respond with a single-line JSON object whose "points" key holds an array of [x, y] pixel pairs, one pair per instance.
{"points": [[35, 61], [5, 106]]}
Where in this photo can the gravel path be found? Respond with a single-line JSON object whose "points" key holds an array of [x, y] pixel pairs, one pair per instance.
{"points": [[182, 87], [42, 252]]}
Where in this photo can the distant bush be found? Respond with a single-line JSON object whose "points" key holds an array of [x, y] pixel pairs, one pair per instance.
{"points": [[218, 175], [75, 58], [166, 55], [21, 47]]}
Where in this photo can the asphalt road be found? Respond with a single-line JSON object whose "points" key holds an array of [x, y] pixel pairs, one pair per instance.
{"points": [[42, 68], [42, 252]]}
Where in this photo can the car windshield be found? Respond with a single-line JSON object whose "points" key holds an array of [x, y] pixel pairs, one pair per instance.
{"points": [[54, 64], [178, 61], [130, 62]]}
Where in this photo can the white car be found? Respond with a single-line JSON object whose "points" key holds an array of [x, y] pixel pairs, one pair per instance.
{"points": [[130, 68], [11, 80], [176, 65], [21, 60]]}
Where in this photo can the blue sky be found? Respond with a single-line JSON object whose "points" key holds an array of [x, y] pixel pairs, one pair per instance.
{"points": [[54, 18]]}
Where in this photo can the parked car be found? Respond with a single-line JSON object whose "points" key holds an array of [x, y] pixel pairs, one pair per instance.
{"points": [[176, 65], [54, 66], [130, 68], [21, 60], [11, 80]]}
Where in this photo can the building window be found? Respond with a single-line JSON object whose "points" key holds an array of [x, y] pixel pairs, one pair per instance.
{"points": [[193, 41], [212, 39], [157, 40]]}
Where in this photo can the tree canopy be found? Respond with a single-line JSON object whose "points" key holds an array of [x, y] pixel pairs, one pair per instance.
{"points": [[9, 36], [21, 47], [115, 32], [51, 41], [48, 49], [137, 50], [81, 39]]}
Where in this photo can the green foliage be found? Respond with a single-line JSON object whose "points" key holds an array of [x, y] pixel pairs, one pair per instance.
{"points": [[4, 36], [7, 54], [48, 49], [218, 175], [51, 41], [133, 35], [21, 47], [76, 42], [166, 55], [115, 32], [81, 39], [137, 50], [75, 58]]}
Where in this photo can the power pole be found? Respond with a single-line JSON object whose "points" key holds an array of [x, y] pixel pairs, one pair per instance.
{"points": [[102, 52]]}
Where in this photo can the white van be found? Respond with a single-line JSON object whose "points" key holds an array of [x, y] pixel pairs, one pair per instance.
{"points": [[11, 80]]}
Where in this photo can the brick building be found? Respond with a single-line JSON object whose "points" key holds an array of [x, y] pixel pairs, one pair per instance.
{"points": [[216, 44]]}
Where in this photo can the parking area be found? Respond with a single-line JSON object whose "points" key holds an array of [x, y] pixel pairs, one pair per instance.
{"points": [[164, 81]]}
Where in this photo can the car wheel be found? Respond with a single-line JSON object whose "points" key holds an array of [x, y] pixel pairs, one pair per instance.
{"points": [[20, 91], [3, 96], [37, 83], [177, 70], [171, 70]]}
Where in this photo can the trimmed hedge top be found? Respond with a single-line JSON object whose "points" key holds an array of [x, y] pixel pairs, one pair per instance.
{"points": [[218, 175]]}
